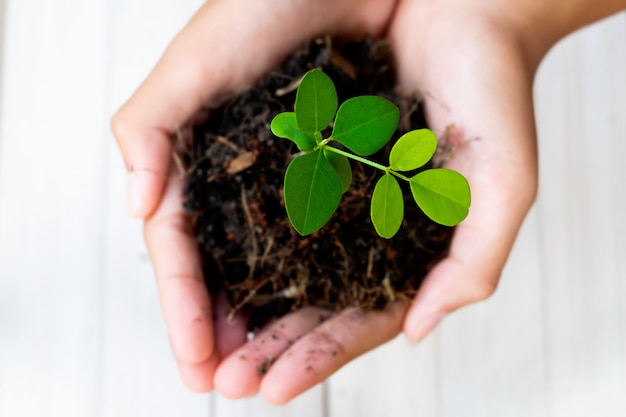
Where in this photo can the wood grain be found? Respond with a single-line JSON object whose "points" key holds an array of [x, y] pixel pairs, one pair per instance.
{"points": [[81, 332]]}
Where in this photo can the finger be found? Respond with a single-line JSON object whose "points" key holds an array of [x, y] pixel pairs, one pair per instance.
{"points": [[327, 348], [230, 332], [220, 52], [198, 377], [241, 373], [184, 298]]}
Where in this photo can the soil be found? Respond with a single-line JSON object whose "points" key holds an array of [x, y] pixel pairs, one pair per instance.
{"points": [[235, 170]]}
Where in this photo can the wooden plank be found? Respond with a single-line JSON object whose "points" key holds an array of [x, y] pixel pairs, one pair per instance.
{"points": [[2, 26], [309, 404], [397, 379], [581, 98], [51, 175], [140, 377], [491, 353]]}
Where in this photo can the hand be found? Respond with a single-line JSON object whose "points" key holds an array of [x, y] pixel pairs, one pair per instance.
{"points": [[226, 47], [474, 67], [474, 63], [475, 74]]}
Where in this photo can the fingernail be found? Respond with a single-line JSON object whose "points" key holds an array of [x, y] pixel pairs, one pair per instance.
{"points": [[424, 327], [133, 195]]}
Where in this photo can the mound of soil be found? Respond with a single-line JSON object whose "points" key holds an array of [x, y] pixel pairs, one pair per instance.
{"points": [[235, 169]]}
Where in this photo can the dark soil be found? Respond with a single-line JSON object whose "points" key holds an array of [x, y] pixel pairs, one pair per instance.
{"points": [[235, 168]]}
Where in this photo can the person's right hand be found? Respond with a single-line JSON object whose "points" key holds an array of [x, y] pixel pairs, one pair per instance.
{"points": [[475, 73], [475, 63]]}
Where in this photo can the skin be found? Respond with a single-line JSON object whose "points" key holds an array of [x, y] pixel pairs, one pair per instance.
{"points": [[473, 62]]}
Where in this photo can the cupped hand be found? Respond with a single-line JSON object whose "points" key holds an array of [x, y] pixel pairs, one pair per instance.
{"points": [[474, 68], [472, 71], [225, 48]]}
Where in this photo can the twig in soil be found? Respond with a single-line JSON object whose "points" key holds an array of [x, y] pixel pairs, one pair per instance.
{"points": [[246, 210], [179, 164], [224, 140], [294, 290], [339, 60], [176, 152], [346, 258], [241, 163], [259, 259], [391, 294], [268, 247], [292, 86], [370, 262], [251, 294]]}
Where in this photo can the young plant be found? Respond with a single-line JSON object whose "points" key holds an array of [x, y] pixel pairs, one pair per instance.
{"points": [[316, 179]]}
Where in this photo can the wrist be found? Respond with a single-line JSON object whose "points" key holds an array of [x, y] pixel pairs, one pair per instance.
{"points": [[541, 24], [537, 25]]}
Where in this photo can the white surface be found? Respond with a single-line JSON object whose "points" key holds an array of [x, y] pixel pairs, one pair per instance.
{"points": [[81, 332]]}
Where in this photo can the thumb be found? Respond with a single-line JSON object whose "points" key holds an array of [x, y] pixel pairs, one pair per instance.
{"points": [[471, 271]]}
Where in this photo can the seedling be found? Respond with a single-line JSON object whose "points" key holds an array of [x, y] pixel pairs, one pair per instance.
{"points": [[316, 179]]}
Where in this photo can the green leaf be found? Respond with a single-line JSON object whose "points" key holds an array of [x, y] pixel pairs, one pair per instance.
{"points": [[342, 166], [316, 102], [365, 124], [413, 150], [312, 192], [387, 210], [442, 194], [284, 126]]}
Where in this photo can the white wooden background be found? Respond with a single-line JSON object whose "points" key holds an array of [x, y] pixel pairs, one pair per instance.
{"points": [[81, 332]]}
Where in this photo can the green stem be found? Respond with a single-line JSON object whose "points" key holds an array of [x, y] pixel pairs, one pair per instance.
{"points": [[397, 174], [356, 158], [373, 164]]}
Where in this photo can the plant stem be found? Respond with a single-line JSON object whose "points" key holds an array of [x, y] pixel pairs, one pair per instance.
{"points": [[356, 158], [373, 164], [397, 174]]}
